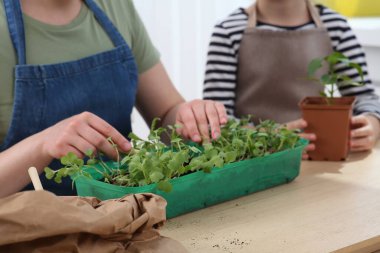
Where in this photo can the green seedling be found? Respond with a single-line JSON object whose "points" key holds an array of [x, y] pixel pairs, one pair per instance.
{"points": [[332, 79], [153, 162]]}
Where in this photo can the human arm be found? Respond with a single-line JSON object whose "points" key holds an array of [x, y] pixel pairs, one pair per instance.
{"points": [[77, 134], [157, 97]]}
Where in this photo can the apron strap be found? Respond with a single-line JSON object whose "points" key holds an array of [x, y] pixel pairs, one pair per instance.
{"points": [[252, 12], [314, 14], [106, 23], [16, 28]]}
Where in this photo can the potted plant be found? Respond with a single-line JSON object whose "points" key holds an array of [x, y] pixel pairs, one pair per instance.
{"points": [[327, 116], [187, 175]]}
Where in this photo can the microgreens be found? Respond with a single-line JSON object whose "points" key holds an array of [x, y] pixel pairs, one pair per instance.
{"points": [[152, 162]]}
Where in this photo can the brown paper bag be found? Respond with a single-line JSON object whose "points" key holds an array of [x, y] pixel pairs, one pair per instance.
{"points": [[39, 222]]}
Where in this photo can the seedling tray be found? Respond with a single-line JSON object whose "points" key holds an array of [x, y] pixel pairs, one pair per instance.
{"points": [[199, 190]]}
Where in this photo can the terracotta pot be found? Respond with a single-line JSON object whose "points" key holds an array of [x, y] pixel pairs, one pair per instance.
{"points": [[331, 124]]}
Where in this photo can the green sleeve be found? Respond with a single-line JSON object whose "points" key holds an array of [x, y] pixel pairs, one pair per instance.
{"points": [[145, 53]]}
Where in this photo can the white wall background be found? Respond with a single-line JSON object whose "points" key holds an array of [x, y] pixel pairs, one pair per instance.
{"points": [[181, 31], [368, 32]]}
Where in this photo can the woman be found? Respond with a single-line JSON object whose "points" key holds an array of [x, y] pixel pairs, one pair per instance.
{"points": [[70, 74], [258, 59]]}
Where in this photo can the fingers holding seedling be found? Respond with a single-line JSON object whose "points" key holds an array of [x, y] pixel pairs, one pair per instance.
{"points": [[222, 113], [199, 110], [108, 131], [80, 133], [188, 122], [99, 142], [82, 145], [201, 119], [213, 119]]}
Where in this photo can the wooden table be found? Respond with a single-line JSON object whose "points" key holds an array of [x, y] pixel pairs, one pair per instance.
{"points": [[328, 207]]}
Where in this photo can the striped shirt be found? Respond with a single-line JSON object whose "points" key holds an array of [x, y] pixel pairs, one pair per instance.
{"points": [[222, 60]]}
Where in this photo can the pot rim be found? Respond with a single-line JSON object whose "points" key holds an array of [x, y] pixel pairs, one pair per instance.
{"points": [[348, 103]]}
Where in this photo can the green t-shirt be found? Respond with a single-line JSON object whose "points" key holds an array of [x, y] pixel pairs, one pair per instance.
{"points": [[49, 44]]}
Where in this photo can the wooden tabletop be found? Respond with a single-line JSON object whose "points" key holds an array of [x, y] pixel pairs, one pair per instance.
{"points": [[328, 207]]}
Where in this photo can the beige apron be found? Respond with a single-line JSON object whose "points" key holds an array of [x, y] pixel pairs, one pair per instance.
{"points": [[272, 69]]}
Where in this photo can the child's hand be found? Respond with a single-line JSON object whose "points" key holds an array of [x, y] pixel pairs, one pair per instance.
{"points": [[365, 133], [200, 117], [302, 124]]}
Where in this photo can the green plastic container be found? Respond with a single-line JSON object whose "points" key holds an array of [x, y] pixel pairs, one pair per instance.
{"points": [[199, 190]]}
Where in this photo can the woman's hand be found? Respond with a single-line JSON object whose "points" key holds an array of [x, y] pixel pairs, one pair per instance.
{"points": [[77, 134], [199, 118], [302, 124], [81, 133], [365, 134]]}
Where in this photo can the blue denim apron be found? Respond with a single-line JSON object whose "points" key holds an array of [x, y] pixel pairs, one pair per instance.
{"points": [[104, 84]]}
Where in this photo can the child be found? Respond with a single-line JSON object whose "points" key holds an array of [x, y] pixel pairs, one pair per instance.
{"points": [[258, 59]]}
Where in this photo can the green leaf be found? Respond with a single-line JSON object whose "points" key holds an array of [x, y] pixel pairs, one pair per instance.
{"points": [[323, 94], [230, 156], [196, 163], [65, 160], [262, 134], [58, 179], [176, 140], [217, 162], [165, 186], [156, 176], [195, 150], [327, 79], [314, 66], [166, 156], [92, 161], [72, 157], [134, 137], [79, 162], [49, 173], [69, 159], [89, 152], [359, 70], [125, 160], [210, 153], [207, 168], [336, 57], [174, 164], [350, 83], [181, 170]]}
